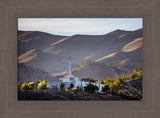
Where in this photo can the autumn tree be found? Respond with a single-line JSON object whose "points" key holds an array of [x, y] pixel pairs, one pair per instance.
{"points": [[61, 85], [19, 86], [117, 82], [42, 86], [91, 80], [25, 86], [123, 78], [133, 75], [101, 82]]}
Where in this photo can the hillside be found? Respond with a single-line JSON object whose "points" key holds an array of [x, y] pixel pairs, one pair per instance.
{"points": [[120, 50], [28, 40]]}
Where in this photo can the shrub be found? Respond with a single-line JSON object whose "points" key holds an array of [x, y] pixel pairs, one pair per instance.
{"points": [[61, 85], [71, 86], [25, 86], [139, 71], [19, 86], [133, 75], [67, 89], [120, 92], [108, 80], [123, 78], [38, 82], [42, 86], [136, 78], [105, 88], [91, 80], [117, 82], [74, 90], [90, 88], [101, 82], [32, 85], [43, 82]]}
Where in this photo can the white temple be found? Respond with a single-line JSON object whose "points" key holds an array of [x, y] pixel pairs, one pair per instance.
{"points": [[69, 78]]}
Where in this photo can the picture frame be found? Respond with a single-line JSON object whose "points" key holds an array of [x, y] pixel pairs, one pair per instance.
{"points": [[10, 11]]}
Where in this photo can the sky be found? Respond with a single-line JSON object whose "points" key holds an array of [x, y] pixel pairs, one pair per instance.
{"points": [[72, 26]]}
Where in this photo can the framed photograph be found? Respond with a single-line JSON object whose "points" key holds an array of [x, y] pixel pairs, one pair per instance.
{"points": [[79, 59]]}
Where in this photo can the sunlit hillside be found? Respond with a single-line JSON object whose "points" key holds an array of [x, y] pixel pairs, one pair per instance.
{"points": [[113, 54]]}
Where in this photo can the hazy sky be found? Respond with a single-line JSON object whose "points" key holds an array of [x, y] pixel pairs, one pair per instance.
{"points": [[71, 26]]}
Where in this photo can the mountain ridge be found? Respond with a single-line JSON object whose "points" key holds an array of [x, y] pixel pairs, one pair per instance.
{"points": [[49, 52]]}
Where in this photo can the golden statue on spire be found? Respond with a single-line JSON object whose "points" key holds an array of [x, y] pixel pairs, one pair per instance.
{"points": [[68, 57]]}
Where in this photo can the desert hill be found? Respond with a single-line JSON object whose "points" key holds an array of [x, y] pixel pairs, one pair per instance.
{"points": [[114, 53], [28, 40]]}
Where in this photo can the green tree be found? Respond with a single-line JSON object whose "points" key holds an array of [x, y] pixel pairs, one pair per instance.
{"points": [[90, 88], [71, 86], [105, 88]]}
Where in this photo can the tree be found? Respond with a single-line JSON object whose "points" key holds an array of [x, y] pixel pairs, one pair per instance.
{"points": [[105, 88], [108, 80], [71, 86], [91, 80], [32, 85], [25, 86], [42, 86], [67, 89], [101, 82], [90, 88], [133, 75], [19, 86], [120, 92], [123, 78], [140, 73], [112, 86], [117, 82], [61, 85], [44, 81]]}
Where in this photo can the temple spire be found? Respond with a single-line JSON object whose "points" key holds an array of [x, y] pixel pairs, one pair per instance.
{"points": [[69, 66]]}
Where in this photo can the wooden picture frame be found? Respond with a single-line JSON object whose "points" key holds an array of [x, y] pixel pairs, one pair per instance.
{"points": [[10, 11]]}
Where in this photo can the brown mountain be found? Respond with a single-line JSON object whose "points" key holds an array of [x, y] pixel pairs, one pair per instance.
{"points": [[118, 52]]}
